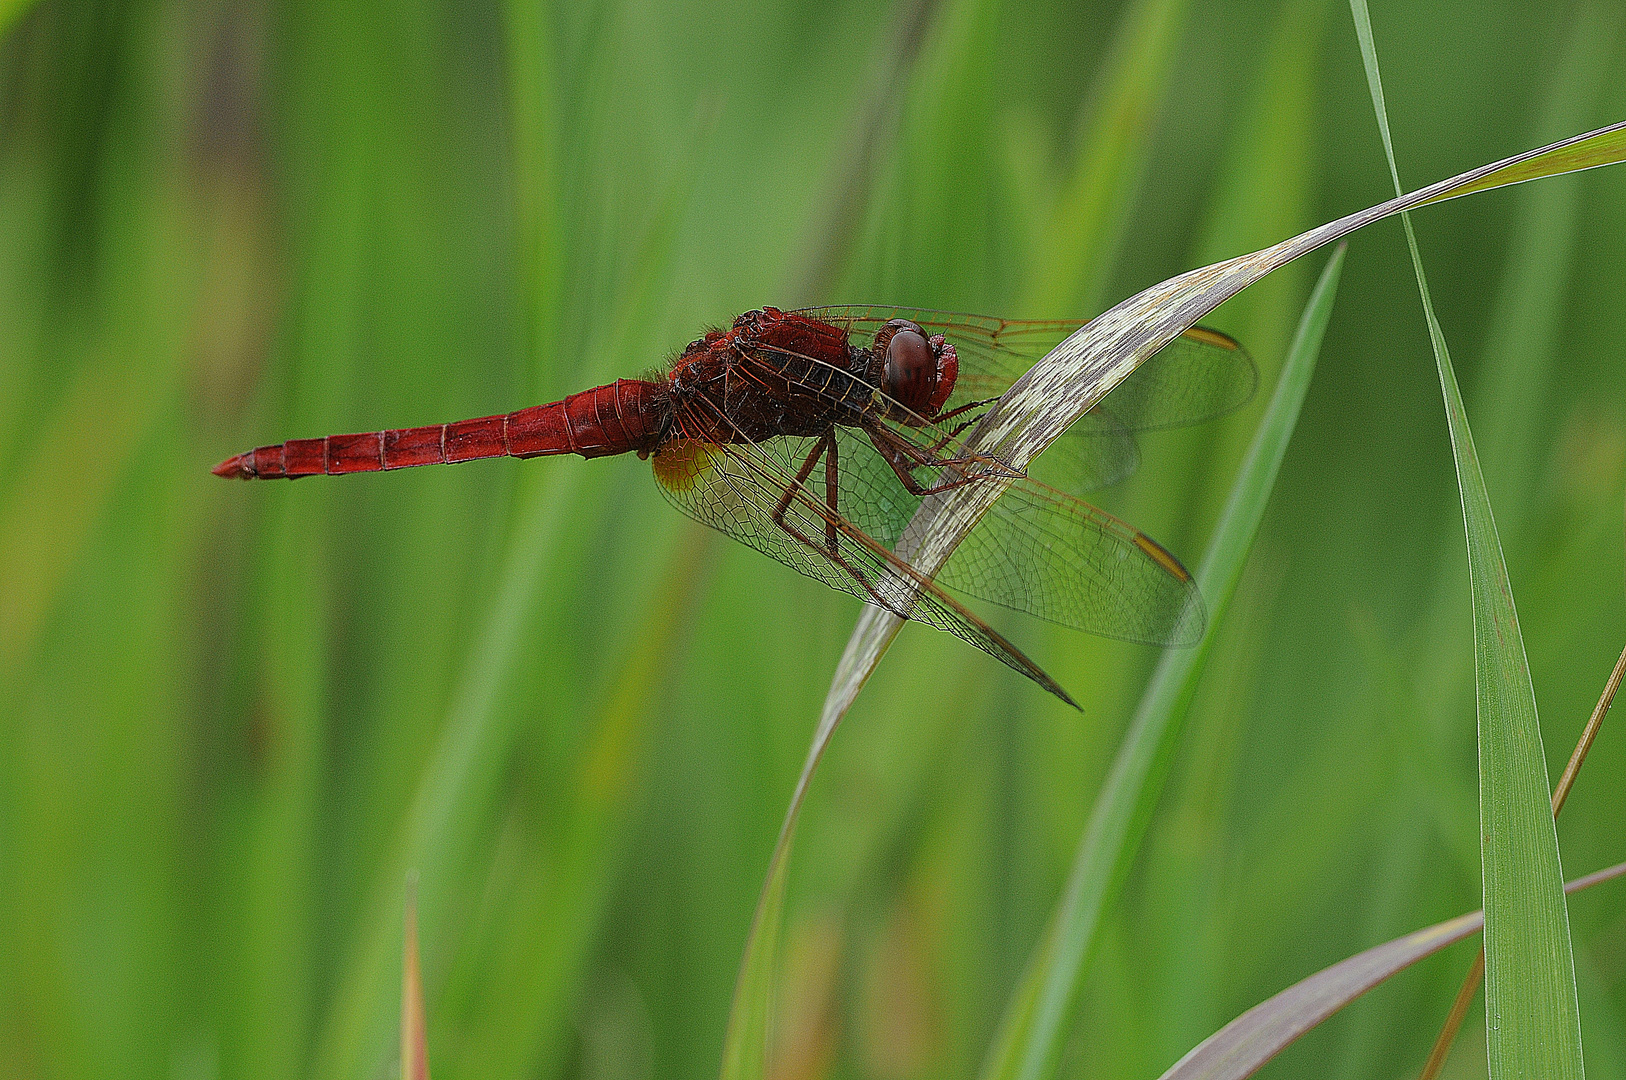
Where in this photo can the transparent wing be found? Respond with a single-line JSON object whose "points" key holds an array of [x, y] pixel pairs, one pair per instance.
{"points": [[1050, 554], [1038, 550], [748, 490], [1200, 375], [1096, 452]]}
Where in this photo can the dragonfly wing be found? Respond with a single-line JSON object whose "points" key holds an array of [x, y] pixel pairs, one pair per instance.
{"points": [[870, 494], [1049, 554], [1096, 452], [1037, 549], [749, 491], [981, 334], [1200, 375]]}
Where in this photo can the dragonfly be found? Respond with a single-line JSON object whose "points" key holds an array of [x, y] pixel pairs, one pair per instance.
{"points": [[814, 436]]}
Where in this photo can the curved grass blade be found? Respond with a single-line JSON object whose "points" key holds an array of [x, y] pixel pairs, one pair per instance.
{"points": [[1101, 178], [1083, 369], [1046, 401], [1532, 1013], [1032, 1030], [1241, 1047]]}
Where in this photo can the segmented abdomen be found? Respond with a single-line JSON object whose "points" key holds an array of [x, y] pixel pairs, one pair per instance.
{"points": [[623, 416]]}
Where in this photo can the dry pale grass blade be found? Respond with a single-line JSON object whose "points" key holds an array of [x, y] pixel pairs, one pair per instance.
{"points": [[1084, 368], [1243, 1046], [1041, 405], [1080, 371]]}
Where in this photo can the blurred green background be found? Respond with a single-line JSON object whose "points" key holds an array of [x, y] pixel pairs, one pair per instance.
{"points": [[234, 717]]}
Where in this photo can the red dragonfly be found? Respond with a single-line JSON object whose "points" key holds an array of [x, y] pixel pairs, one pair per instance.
{"points": [[813, 435]]}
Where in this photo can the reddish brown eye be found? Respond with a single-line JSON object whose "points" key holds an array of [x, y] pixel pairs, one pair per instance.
{"points": [[911, 370]]}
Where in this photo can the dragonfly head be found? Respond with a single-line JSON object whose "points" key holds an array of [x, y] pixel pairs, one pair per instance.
{"points": [[918, 371]]}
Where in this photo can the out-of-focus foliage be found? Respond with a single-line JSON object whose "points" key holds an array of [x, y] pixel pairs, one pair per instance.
{"points": [[233, 717]]}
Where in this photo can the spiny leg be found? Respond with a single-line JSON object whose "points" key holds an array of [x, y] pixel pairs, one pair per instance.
{"points": [[905, 458], [952, 413], [954, 434], [825, 448]]}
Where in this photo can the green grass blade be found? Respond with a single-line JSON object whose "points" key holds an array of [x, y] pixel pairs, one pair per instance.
{"points": [[1532, 1015], [1034, 1024], [1243, 1046], [1516, 384], [1572, 155], [1084, 368]]}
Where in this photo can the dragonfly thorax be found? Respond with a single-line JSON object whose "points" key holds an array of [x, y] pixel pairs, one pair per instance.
{"points": [[772, 373]]}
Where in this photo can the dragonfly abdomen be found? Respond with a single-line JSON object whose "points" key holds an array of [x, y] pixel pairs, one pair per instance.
{"points": [[617, 418]]}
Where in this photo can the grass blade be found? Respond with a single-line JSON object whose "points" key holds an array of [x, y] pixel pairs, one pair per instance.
{"points": [[1532, 1015], [1106, 170], [1241, 1047], [1082, 370], [1561, 792], [1033, 1027]]}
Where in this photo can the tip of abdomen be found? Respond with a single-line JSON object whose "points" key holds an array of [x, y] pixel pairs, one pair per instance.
{"points": [[237, 467]]}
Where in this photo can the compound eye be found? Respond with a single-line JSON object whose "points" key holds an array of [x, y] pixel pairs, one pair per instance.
{"points": [[911, 369]]}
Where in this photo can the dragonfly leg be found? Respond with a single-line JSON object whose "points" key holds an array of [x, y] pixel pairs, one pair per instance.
{"points": [[832, 485], [826, 444], [955, 434], [905, 458], [825, 448], [965, 409]]}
